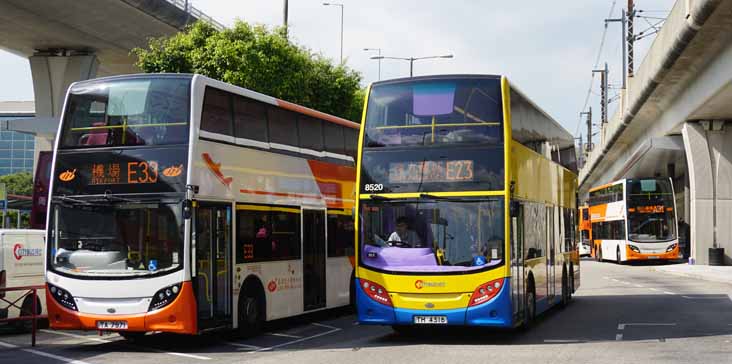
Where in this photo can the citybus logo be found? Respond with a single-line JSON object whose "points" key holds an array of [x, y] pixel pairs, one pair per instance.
{"points": [[419, 284], [19, 252]]}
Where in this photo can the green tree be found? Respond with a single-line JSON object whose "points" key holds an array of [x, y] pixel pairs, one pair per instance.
{"points": [[259, 59], [20, 183]]}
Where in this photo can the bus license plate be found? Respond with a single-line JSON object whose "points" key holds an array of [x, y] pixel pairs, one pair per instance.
{"points": [[653, 257], [112, 325], [430, 320]]}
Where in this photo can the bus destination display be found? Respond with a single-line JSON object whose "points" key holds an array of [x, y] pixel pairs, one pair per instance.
{"points": [[431, 171]]}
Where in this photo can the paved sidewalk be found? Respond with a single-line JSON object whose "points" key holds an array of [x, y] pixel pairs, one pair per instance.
{"points": [[722, 274]]}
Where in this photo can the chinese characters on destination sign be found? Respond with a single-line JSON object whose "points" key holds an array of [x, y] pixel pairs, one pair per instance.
{"points": [[431, 171]]}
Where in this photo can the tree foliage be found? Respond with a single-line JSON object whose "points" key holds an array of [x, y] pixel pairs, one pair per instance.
{"points": [[256, 58], [20, 183]]}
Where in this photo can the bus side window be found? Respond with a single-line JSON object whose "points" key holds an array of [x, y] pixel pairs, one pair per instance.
{"points": [[334, 139], [340, 233], [351, 141], [217, 114], [250, 119], [311, 133]]}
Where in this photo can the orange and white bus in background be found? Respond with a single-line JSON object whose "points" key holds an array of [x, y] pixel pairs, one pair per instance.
{"points": [[183, 204], [585, 228], [634, 219]]}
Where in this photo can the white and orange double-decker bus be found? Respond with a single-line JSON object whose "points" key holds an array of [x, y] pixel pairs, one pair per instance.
{"points": [[585, 229], [183, 204], [634, 219]]}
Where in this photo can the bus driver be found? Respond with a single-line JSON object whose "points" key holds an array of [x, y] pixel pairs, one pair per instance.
{"points": [[403, 234]]}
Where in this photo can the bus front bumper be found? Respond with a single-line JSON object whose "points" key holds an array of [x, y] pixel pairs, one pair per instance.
{"points": [[495, 313], [177, 317]]}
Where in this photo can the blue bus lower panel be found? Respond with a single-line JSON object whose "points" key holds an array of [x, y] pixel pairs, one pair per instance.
{"points": [[496, 312]]}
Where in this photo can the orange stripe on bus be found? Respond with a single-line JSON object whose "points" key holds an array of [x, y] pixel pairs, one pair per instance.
{"points": [[317, 114]]}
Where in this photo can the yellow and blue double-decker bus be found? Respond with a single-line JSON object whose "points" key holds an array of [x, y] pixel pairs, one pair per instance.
{"points": [[466, 210]]}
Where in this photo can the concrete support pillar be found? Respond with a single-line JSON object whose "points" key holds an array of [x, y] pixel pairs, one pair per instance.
{"points": [[52, 76], [708, 148]]}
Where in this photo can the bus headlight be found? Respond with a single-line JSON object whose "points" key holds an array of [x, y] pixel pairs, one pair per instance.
{"points": [[63, 297], [634, 248], [164, 297], [671, 247]]}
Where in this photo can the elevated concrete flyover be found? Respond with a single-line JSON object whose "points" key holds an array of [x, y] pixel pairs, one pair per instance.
{"points": [[674, 121], [72, 40]]}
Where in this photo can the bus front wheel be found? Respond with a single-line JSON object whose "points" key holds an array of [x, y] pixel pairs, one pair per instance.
{"points": [[132, 336], [617, 257]]}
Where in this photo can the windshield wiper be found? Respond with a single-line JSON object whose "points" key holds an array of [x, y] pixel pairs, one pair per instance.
{"points": [[379, 198], [72, 200], [433, 197], [110, 197]]}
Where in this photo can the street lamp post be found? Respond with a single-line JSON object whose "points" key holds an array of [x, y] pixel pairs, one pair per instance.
{"points": [[341, 6], [411, 60], [378, 50]]}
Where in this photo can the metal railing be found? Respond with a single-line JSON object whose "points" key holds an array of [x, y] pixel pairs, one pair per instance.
{"points": [[31, 291], [194, 12]]}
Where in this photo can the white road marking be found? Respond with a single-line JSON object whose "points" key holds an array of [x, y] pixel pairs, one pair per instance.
{"points": [[646, 324], [335, 329], [245, 346], [654, 289], [324, 325], [355, 323], [638, 285], [44, 354], [615, 280], [85, 337], [705, 298], [283, 335], [621, 327], [671, 293]]}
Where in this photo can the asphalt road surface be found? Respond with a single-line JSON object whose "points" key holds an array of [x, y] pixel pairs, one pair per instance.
{"points": [[620, 314]]}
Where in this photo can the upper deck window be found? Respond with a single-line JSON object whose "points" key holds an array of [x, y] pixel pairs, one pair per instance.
{"points": [[435, 111], [126, 112]]}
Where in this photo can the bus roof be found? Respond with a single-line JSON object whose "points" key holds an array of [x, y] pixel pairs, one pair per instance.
{"points": [[529, 123], [247, 92]]}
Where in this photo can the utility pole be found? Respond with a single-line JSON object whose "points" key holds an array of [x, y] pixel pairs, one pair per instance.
{"points": [[588, 147], [623, 21], [631, 36], [284, 16], [603, 94]]}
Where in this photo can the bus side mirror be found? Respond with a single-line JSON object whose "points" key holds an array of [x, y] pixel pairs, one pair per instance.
{"points": [[187, 209], [514, 208]]}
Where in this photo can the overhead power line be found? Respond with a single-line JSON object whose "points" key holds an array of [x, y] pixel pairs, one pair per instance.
{"points": [[597, 62]]}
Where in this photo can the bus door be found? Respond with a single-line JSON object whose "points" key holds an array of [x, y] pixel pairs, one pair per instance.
{"points": [[212, 262], [551, 251], [313, 258], [518, 280]]}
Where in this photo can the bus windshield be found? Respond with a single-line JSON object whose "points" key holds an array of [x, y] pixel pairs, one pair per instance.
{"points": [[432, 236], [116, 239], [435, 111], [651, 214], [134, 111]]}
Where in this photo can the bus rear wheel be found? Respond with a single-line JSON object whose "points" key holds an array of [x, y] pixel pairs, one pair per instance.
{"points": [[617, 257], [251, 314], [530, 310]]}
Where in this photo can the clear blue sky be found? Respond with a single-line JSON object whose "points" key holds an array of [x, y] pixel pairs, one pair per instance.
{"points": [[547, 48]]}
